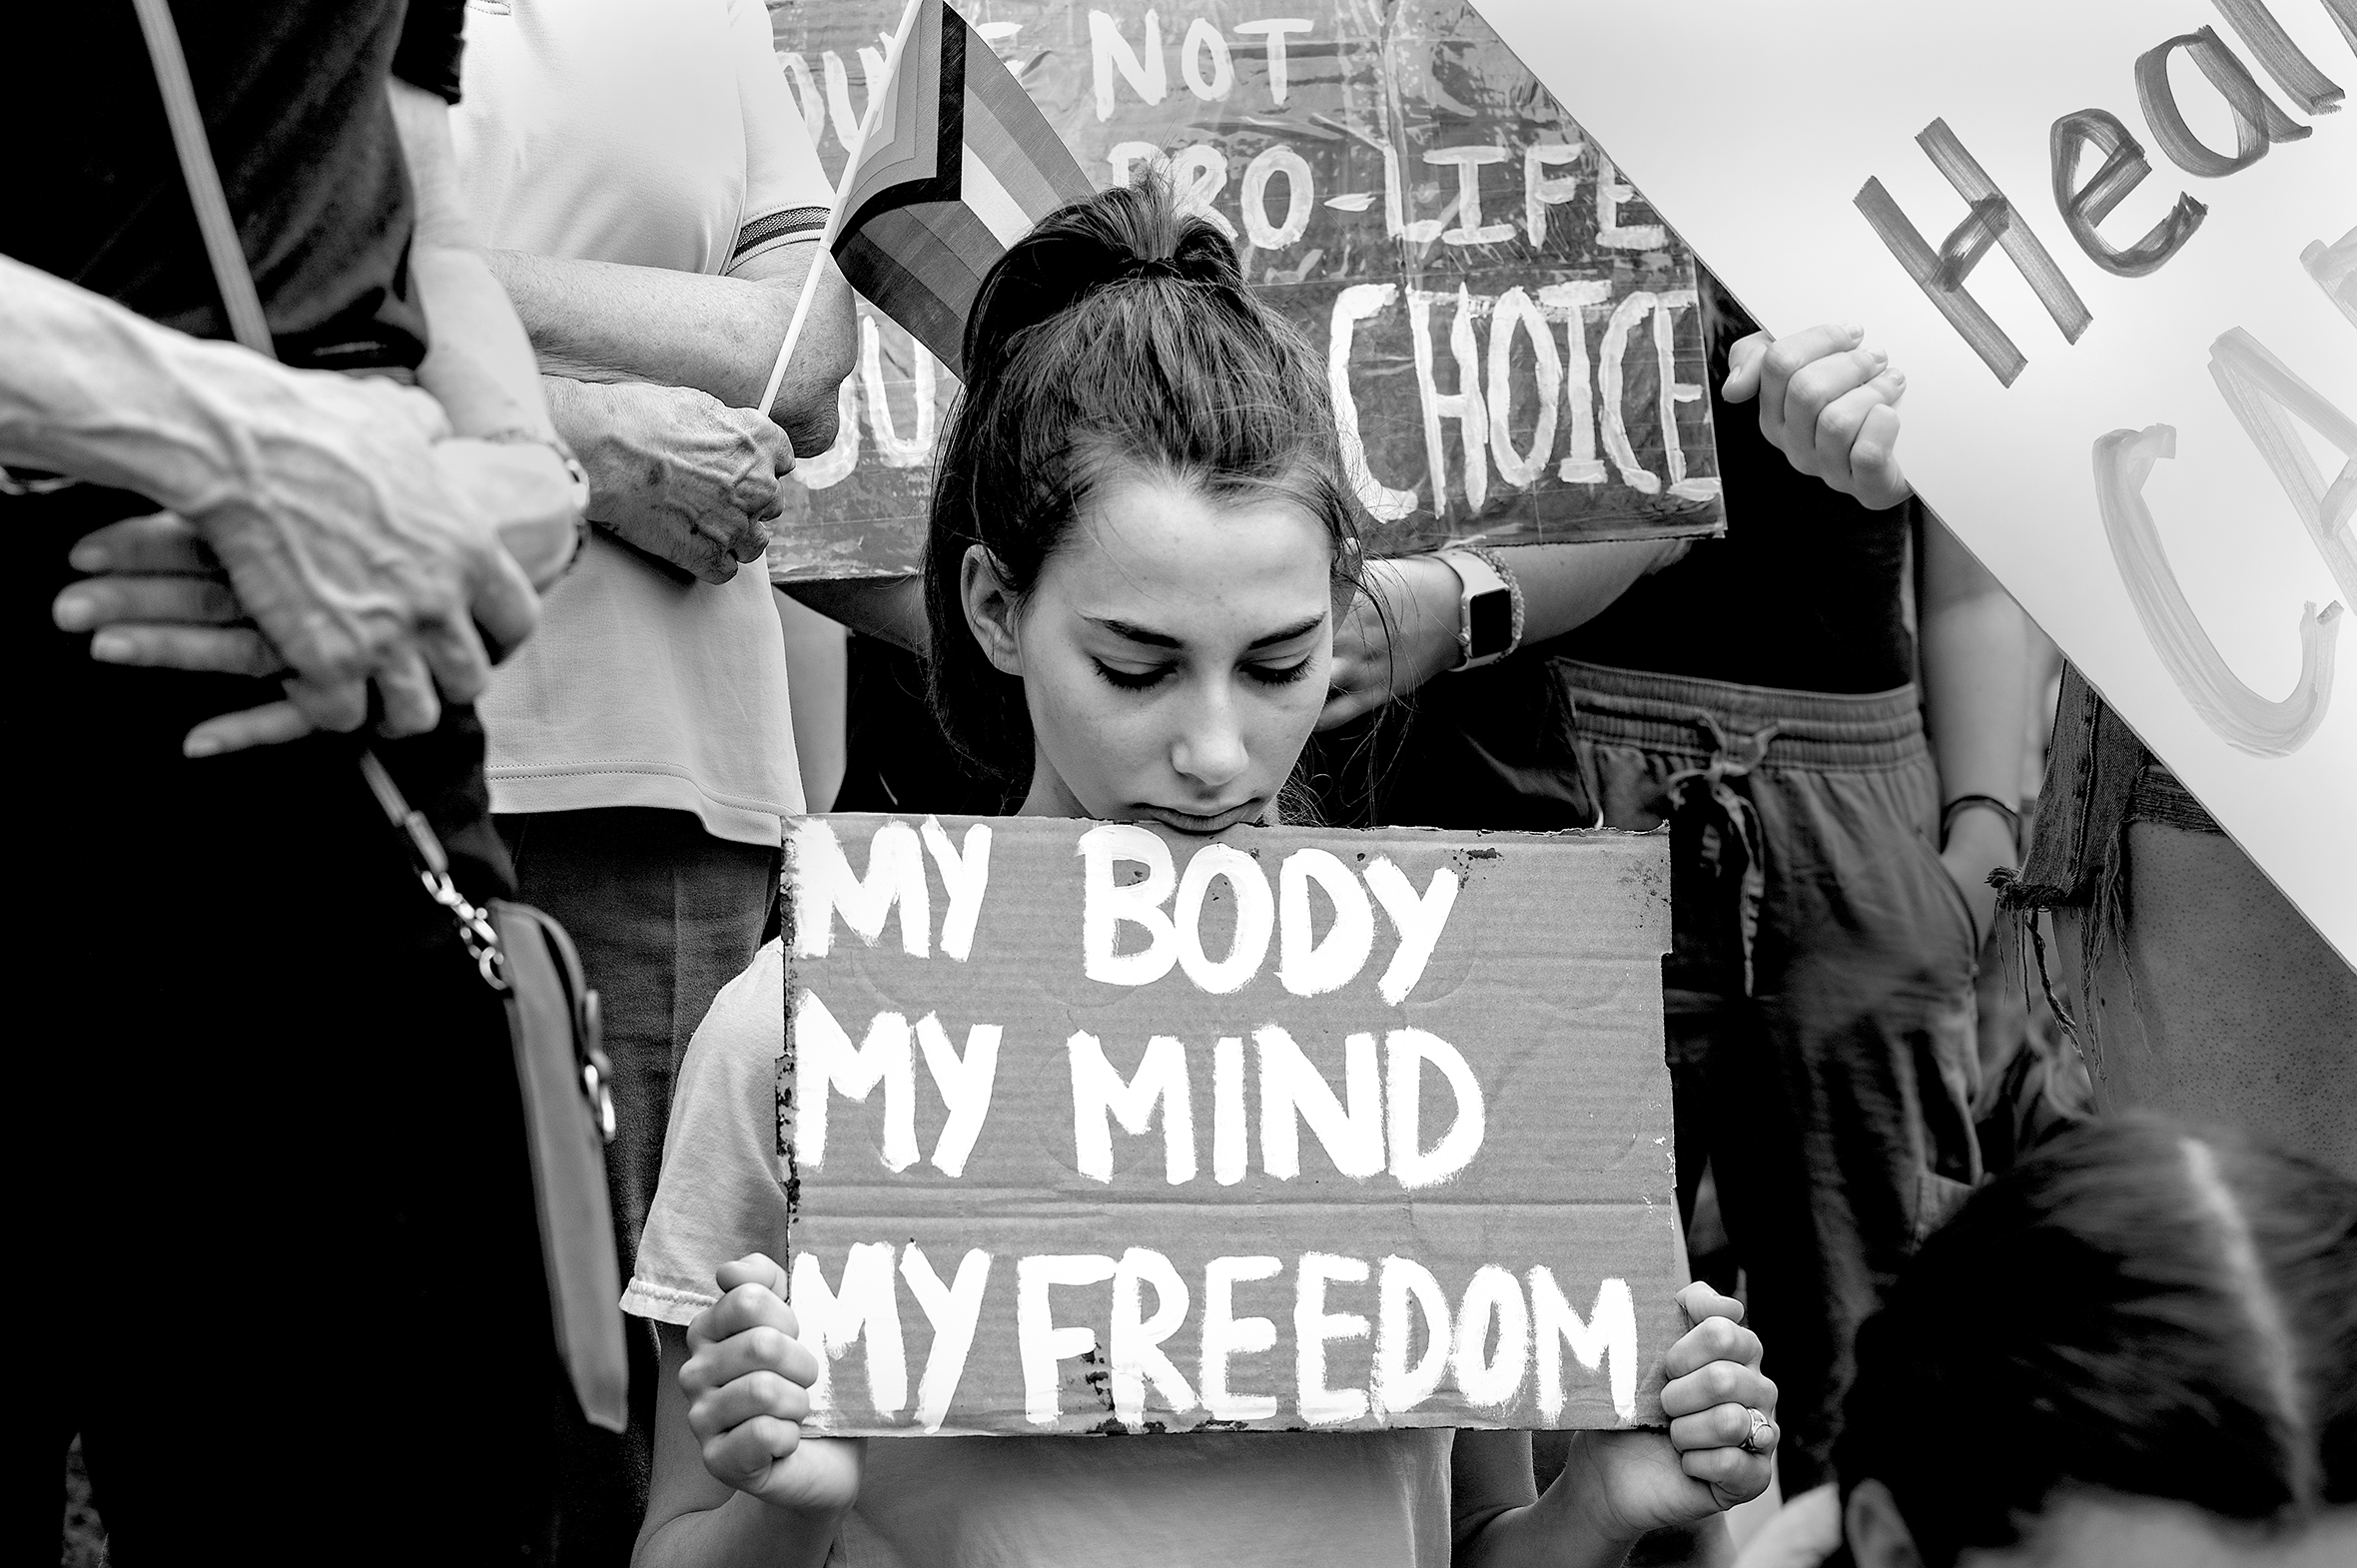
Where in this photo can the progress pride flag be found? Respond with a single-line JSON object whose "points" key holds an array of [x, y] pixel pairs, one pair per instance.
{"points": [[1092, 1129]]}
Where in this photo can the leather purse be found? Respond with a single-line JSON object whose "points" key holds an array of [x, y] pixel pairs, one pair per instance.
{"points": [[561, 1070]]}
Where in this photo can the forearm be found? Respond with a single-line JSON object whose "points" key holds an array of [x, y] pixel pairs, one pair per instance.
{"points": [[1553, 1532], [91, 390], [481, 366], [478, 364], [601, 322], [1976, 666], [1566, 586]]}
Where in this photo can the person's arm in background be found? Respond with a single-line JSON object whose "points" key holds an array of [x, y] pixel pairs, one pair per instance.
{"points": [[654, 372], [686, 470], [478, 365], [599, 323], [1403, 628], [1976, 664], [1832, 406]]}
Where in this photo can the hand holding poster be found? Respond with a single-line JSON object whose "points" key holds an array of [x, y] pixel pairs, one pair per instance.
{"points": [[1511, 336], [1088, 1130], [2112, 245]]}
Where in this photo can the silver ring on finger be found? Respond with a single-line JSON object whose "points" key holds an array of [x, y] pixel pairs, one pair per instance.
{"points": [[1763, 1432]]}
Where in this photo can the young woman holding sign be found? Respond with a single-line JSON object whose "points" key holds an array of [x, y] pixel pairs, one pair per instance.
{"points": [[1140, 546]]}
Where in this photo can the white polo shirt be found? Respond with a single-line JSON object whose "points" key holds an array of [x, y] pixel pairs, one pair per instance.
{"points": [[654, 133]]}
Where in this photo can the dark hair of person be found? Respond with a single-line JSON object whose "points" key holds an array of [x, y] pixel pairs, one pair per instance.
{"points": [[2137, 1310], [1117, 337]]}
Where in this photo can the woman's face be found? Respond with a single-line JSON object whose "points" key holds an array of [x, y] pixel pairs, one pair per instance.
{"points": [[1173, 654]]}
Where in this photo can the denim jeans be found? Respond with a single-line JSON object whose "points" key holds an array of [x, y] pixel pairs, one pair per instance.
{"points": [[664, 915], [2194, 987], [1819, 990]]}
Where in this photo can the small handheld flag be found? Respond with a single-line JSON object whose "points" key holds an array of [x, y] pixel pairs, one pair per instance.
{"points": [[953, 165]]}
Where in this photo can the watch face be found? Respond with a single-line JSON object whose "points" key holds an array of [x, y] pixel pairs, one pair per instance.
{"points": [[1490, 619]]}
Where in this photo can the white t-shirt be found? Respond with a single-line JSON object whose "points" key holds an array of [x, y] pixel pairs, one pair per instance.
{"points": [[1366, 1500], [654, 133]]}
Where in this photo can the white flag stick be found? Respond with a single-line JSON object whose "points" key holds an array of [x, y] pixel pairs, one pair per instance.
{"points": [[826, 242], [777, 371]]}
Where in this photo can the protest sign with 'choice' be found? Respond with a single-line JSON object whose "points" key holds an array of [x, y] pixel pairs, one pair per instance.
{"points": [[1511, 337], [1089, 1129]]}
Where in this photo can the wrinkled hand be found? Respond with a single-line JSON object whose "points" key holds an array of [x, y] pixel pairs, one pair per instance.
{"points": [[747, 1379], [1400, 632], [1828, 405], [1642, 1480], [357, 559], [161, 600], [677, 473]]}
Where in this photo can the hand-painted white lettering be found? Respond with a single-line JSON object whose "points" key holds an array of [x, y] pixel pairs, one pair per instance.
{"points": [[1040, 1345], [864, 1308], [1101, 1097], [1399, 1384], [1137, 1349], [952, 1309], [1610, 1331], [825, 1062], [1493, 1296], [965, 1083], [1226, 1336], [1313, 1328]]}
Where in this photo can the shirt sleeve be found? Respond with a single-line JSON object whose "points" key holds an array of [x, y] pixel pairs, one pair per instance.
{"points": [[786, 191], [432, 33], [720, 1196]]}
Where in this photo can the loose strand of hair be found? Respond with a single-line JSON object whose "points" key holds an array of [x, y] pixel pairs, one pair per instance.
{"points": [[2255, 1293]]}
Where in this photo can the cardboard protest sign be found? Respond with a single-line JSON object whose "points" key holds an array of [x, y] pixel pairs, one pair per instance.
{"points": [[1092, 1129], [2112, 245], [1509, 332]]}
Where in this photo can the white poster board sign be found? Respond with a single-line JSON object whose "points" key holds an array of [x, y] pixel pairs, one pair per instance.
{"points": [[2114, 246]]}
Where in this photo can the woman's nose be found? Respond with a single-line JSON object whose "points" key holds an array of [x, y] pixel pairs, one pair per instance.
{"points": [[1211, 749]]}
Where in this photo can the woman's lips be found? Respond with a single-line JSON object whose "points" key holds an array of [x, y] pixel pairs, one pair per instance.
{"points": [[1203, 822]]}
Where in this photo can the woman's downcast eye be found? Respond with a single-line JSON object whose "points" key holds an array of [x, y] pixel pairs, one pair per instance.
{"points": [[1279, 674], [1155, 675], [1133, 680]]}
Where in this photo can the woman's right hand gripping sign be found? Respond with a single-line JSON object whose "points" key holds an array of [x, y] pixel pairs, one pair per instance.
{"points": [[1830, 405], [747, 1381]]}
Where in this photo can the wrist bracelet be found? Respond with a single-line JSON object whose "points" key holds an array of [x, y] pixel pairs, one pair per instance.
{"points": [[1947, 815]]}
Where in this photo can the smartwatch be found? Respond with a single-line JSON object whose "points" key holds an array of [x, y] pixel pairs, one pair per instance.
{"points": [[1485, 611]]}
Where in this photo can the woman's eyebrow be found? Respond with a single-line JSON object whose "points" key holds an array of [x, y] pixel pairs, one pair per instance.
{"points": [[1297, 629], [1163, 639], [1134, 632]]}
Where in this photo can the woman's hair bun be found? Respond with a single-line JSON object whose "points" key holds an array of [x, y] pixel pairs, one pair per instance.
{"points": [[1127, 235]]}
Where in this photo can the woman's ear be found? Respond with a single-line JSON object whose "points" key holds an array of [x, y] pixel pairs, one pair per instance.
{"points": [[1876, 1531], [991, 610]]}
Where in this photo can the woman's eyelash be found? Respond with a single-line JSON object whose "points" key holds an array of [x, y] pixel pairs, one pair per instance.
{"points": [[1131, 680], [1275, 675]]}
